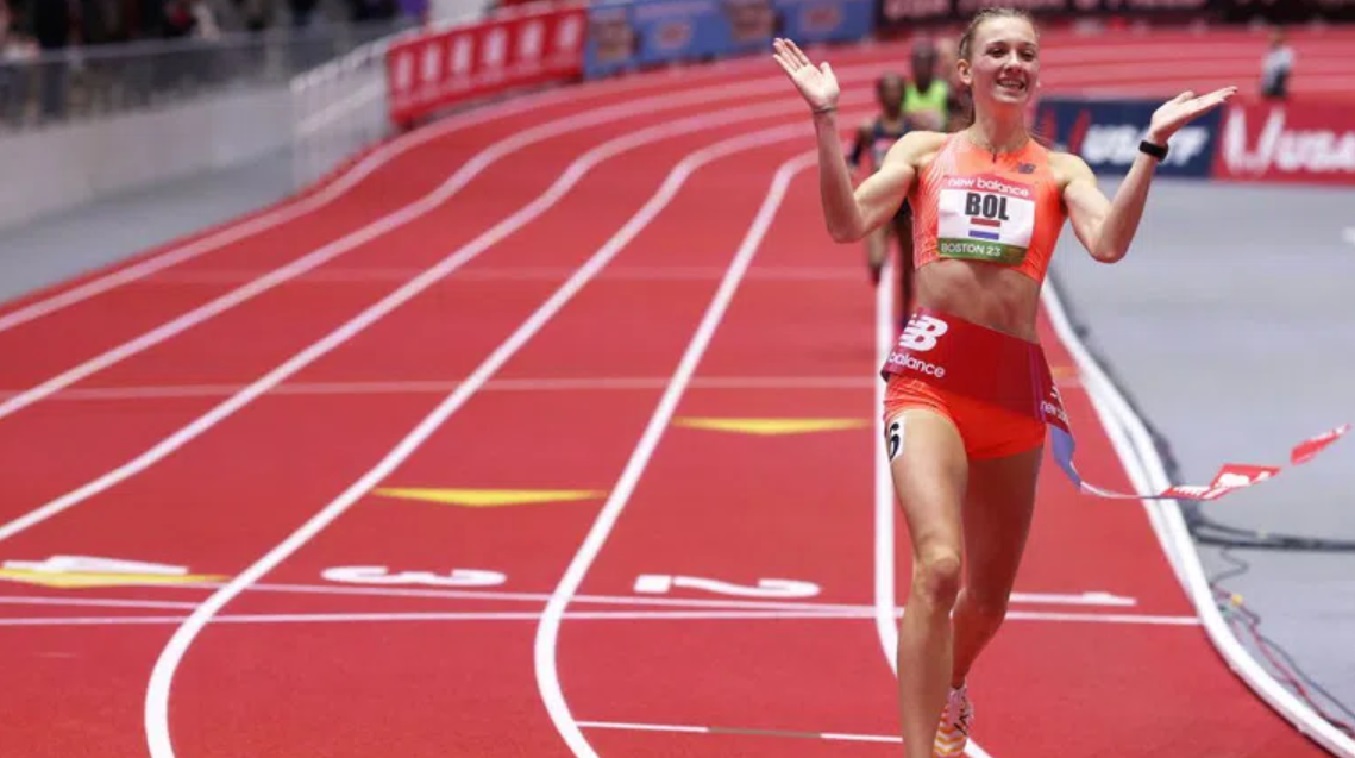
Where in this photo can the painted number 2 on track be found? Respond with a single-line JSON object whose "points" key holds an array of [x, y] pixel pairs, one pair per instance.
{"points": [[659, 584], [645, 584]]}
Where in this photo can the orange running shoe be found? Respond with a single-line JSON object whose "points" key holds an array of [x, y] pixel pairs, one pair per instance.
{"points": [[953, 734]]}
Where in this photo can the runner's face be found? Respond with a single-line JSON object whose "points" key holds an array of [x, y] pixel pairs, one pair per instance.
{"points": [[1004, 61], [924, 67], [891, 96]]}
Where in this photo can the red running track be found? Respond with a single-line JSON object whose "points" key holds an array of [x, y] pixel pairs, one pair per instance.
{"points": [[579, 313]]}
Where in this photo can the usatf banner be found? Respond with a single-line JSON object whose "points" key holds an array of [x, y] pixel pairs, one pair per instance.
{"points": [[629, 35], [1309, 142], [1106, 134]]}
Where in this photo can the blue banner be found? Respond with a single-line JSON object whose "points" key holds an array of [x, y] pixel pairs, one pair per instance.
{"points": [[814, 21], [627, 35], [1106, 134]]}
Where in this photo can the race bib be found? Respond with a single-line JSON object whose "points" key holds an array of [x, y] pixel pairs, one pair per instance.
{"points": [[985, 218]]}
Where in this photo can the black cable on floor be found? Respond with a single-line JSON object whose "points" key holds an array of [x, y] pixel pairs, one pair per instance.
{"points": [[1206, 531], [1289, 669]]}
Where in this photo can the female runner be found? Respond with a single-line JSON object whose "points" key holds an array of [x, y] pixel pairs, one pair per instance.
{"points": [[966, 381], [873, 139]]}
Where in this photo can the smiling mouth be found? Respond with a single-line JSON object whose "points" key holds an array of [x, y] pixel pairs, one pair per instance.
{"points": [[1011, 85]]}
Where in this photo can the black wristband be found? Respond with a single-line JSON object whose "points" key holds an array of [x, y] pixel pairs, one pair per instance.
{"points": [[1157, 151]]}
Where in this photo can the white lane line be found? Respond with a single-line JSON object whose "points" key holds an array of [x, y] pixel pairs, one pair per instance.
{"points": [[537, 616], [681, 728], [440, 386], [390, 302], [439, 616], [339, 275], [326, 193], [405, 215], [885, 499], [1090, 599], [157, 696], [740, 731], [520, 384], [544, 649], [92, 602]]}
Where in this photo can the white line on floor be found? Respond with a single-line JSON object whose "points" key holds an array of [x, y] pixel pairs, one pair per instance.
{"points": [[863, 613]]}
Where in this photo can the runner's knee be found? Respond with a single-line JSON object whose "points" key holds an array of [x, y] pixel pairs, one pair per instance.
{"points": [[988, 608], [936, 576]]}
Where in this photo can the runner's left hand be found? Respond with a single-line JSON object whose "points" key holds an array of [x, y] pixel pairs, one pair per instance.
{"points": [[1185, 107]]}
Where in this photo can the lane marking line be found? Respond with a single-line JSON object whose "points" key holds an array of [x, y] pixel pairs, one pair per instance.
{"points": [[373, 313], [156, 711], [407, 214], [537, 616], [415, 386], [316, 196], [741, 731], [340, 275], [547, 635], [93, 602], [1086, 599]]}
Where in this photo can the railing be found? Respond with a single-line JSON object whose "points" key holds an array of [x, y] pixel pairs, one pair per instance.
{"points": [[349, 104], [38, 89], [338, 110]]}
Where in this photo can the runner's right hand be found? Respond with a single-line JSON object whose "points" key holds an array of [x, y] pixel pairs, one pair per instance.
{"points": [[818, 85]]}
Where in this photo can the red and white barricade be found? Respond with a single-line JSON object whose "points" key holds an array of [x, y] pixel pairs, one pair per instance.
{"points": [[522, 45]]}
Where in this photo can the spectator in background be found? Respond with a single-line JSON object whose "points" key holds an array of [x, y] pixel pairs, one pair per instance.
{"points": [[7, 29], [416, 10], [54, 22], [301, 12], [372, 10], [926, 97], [190, 18], [1276, 67], [15, 50], [257, 14], [958, 103], [180, 21], [186, 63]]}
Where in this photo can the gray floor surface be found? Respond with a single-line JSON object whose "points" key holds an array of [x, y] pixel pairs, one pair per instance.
{"points": [[59, 246], [1229, 325]]}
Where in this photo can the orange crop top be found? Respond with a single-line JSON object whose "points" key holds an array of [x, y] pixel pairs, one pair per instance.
{"points": [[1007, 211]]}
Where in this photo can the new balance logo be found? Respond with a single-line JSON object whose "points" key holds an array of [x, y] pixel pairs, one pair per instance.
{"points": [[921, 366], [922, 332], [913, 363]]}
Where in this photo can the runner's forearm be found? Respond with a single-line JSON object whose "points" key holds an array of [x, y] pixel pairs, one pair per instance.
{"points": [[1126, 210], [835, 182]]}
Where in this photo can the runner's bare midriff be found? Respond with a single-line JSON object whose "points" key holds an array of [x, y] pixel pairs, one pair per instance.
{"points": [[998, 298]]}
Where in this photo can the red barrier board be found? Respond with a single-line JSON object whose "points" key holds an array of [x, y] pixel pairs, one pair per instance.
{"points": [[520, 46], [1309, 142]]}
